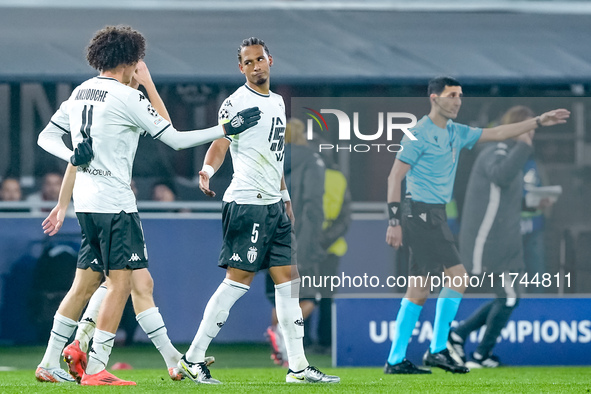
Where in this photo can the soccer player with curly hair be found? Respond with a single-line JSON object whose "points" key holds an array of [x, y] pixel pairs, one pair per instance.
{"points": [[105, 116]]}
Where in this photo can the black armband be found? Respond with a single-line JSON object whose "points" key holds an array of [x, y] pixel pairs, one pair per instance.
{"points": [[394, 210]]}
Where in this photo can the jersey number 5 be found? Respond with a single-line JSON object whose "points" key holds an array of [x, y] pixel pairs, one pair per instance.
{"points": [[86, 121], [276, 138]]}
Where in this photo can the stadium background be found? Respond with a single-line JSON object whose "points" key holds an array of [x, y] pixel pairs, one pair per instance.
{"points": [[531, 53]]}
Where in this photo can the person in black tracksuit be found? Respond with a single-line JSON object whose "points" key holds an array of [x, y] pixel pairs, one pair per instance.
{"points": [[490, 238], [304, 176]]}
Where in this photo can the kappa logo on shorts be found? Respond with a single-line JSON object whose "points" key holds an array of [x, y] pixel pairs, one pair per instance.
{"points": [[423, 216], [252, 254], [134, 257], [95, 261], [235, 257], [299, 322]]}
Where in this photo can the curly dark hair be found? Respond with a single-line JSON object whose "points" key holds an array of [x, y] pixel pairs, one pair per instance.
{"points": [[115, 45], [250, 42]]}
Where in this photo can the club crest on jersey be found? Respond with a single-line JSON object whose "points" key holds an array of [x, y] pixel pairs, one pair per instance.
{"points": [[152, 111], [237, 121], [252, 254]]}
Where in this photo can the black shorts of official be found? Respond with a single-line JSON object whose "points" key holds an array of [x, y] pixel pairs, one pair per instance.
{"points": [[256, 237], [430, 241], [111, 241]]}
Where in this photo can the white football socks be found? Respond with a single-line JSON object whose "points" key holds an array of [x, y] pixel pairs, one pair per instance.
{"points": [[214, 317], [153, 325], [291, 323], [87, 322], [98, 357], [61, 332]]}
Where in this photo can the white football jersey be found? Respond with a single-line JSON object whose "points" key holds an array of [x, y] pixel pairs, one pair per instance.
{"points": [[257, 153], [115, 116]]}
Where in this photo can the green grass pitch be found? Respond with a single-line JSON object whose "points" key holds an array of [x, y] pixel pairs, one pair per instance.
{"points": [[248, 369]]}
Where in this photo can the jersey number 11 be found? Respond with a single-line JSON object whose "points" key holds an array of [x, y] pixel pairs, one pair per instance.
{"points": [[86, 121]]}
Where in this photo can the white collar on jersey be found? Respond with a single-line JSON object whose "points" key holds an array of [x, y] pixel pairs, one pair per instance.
{"points": [[101, 77], [255, 92]]}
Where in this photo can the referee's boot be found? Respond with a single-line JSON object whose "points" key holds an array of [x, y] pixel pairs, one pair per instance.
{"points": [[444, 361], [404, 368]]}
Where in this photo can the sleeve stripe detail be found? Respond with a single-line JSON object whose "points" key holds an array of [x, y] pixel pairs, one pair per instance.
{"points": [[161, 131], [228, 138], [58, 126]]}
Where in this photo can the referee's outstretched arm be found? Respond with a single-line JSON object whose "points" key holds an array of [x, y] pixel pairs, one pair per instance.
{"points": [[506, 131]]}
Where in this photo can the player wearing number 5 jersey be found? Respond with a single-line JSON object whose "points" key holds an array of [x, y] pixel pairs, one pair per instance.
{"points": [[256, 222], [257, 157], [110, 112]]}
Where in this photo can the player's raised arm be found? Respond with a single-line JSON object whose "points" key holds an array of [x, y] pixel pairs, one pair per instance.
{"points": [[503, 132], [177, 140], [394, 232], [143, 77], [153, 117]]}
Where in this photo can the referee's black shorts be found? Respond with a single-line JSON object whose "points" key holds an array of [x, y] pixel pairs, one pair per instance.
{"points": [[430, 241]]}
